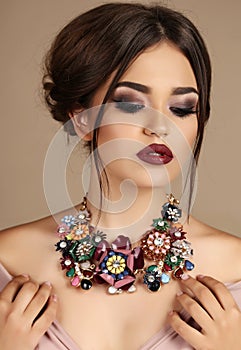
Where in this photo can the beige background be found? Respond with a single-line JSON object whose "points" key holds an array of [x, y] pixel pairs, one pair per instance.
{"points": [[27, 27]]}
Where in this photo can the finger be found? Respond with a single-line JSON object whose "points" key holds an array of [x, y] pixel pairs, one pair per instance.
{"points": [[10, 291], [49, 315], [38, 302], [204, 296], [220, 291], [188, 333], [200, 315], [25, 295]]}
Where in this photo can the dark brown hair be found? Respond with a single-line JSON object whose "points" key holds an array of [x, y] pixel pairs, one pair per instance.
{"points": [[108, 38]]}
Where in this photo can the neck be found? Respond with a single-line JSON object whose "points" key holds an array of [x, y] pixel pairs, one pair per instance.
{"points": [[129, 211]]}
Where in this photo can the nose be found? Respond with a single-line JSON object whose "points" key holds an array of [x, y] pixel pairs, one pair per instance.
{"points": [[158, 130], [156, 124]]}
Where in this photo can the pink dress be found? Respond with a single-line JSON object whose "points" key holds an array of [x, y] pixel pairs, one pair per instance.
{"points": [[56, 338]]}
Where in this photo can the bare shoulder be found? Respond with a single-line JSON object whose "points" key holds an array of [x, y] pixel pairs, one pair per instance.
{"points": [[23, 247], [218, 252]]}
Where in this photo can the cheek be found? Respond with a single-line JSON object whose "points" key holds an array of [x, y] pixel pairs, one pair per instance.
{"points": [[115, 132], [192, 131], [188, 127]]}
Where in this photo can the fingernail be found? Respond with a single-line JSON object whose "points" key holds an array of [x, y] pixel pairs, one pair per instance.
{"points": [[179, 293], [184, 277], [171, 313], [25, 275], [200, 276], [48, 283], [54, 297]]}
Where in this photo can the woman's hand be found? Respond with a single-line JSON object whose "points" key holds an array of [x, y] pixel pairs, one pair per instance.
{"points": [[21, 325], [214, 310]]}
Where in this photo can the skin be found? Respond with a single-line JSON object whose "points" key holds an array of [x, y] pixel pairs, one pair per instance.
{"points": [[114, 319]]}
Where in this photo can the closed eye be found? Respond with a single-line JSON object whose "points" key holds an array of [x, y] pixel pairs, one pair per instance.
{"points": [[183, 111], [129, 107]]}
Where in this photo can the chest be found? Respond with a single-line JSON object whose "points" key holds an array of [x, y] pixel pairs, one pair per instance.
{"points": [[96, 320]]}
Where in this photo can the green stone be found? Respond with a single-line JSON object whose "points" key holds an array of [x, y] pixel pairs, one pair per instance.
{"points": [[72, 250], [71, 272], [152, 268]]}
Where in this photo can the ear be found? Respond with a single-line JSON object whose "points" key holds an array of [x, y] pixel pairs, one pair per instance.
{"points": [[81, 124]]}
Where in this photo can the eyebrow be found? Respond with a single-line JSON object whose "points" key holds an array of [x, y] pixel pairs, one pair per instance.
{"points": [[184, 90], [146, 90], [135, 86]]}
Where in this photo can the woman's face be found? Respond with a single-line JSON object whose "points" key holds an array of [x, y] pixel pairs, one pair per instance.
{"points": [[150, 125]]}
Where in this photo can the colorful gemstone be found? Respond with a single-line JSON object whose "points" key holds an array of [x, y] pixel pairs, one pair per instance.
{"points": [[189, 265], [167, 267], [154, 286], [86, 284], [71, 272], [75, 281], [165, 278], [152, 268], [178, 272], [88, 273]]}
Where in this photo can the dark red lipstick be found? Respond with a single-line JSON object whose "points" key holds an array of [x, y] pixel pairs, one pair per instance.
{"points": [[155, 154]]}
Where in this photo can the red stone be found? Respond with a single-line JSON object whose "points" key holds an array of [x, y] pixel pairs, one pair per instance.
{"points": [[167, 267], [178, 272], [88, 273]]}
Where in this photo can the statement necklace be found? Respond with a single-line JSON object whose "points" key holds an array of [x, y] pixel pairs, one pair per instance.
{"points": [[89, 258]]}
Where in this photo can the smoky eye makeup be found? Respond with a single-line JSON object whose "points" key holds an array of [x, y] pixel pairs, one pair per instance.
{"points": [[128, 100], [184, 106]]}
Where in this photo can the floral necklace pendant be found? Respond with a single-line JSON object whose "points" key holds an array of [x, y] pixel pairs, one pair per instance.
{"points": [[88, 257]]}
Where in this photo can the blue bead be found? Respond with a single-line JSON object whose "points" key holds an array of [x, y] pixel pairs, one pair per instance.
{"points": [[102, 265], [125, 273], [111, 253], [120, 276], [189, 265], [165, 278]]}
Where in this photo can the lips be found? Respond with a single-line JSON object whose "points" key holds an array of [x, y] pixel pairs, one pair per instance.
{"points": [[155, 154]]}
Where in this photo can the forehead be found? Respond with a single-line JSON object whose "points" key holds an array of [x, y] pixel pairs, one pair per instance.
{"points": [[161, 66]]}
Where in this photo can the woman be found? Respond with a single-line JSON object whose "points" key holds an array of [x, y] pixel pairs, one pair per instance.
{"points": [[133, 81]]}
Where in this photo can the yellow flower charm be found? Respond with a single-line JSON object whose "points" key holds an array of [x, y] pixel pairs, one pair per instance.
{"points": [[116, 264]]}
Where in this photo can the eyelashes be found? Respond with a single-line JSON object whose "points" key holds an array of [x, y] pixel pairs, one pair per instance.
{"points": [[132, 104], [183, 112], [134, 107], [128, 107]]}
